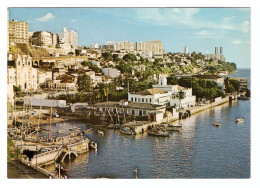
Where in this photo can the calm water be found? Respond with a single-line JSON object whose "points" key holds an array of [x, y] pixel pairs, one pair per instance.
{"points": [[201, 151]]}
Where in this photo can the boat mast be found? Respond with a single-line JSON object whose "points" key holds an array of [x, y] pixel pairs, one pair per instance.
{"points": [[39, 120], [50, 123]]}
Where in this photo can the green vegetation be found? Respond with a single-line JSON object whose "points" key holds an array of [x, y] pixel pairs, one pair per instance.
{"points": [[201, 88], [12, 151], [231, 85], [84, 83]]}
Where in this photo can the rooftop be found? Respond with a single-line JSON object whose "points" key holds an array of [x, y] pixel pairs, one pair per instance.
{"points": [[151, 91]]}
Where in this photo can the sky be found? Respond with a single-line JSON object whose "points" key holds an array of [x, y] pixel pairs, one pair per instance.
{"points": [[200, 29]]}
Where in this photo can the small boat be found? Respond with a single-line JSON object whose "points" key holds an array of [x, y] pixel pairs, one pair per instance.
{"points": [[127, 130], [173, 127], [88, 130], [93, 145], [216, 123], [61, 131], [158, 132], [114, 126], [101, 132], [243, 97], [240, 120]]}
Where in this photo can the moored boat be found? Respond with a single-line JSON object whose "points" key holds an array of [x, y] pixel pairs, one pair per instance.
{"points": [[88, 130], [216, 123], [101, 132], [243, 97], [158, 132], [114, 126], [174, 127], [93, 145], [240, 120], [127, 130]]}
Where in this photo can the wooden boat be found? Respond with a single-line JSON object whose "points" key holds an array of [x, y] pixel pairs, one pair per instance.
{"points": [[127, 130], [88, 130], [240, 120], [114, 126], [101, 132], [93, 145], [216, 123], [174, 127], [158, 132]]}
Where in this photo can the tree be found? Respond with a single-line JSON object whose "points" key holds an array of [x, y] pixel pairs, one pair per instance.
{"points": [[115, 57], [129, 57], [84, 83], [181, 96], [172, 80], [107, 56]]}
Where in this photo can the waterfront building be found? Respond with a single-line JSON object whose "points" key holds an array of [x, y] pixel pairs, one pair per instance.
{"points": [[43, 77], [69, 37], [94, 45], [148, 111], [243, 83], [18, 32]]}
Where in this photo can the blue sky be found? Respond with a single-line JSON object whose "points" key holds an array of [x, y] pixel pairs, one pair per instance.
{"points": [[201, 29]]}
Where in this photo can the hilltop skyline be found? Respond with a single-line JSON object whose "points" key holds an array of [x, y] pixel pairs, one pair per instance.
{"points": [[201, 29]]}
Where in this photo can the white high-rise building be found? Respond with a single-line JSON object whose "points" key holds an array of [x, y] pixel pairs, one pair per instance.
{"points": [[154, 46], [70, 37], [186, 50], [125, 45]]}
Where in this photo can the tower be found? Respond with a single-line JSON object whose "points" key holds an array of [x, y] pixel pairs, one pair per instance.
{"points": [[221, 50], [186, 50], [216, 50]]}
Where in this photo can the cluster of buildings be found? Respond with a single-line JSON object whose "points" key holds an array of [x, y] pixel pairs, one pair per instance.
{"points": [[153, 103], [218, 54]]}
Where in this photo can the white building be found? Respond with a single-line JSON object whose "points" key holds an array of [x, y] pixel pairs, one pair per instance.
{"points": [[111, 72], [125, 45], [26, 75], [70, 37]]}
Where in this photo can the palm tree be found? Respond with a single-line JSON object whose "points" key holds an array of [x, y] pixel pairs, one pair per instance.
{"points": [[181, 96]]}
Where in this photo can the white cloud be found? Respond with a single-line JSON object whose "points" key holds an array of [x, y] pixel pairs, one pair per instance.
{"points": [[237, 42], [207, 34], [73, 20], [46, 17], [179, 16], [245, 26]]}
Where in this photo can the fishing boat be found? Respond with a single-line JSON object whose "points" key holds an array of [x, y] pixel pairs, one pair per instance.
{"points": [[101, 132], [240, 120], [158, 132], [93, 145], [88, 130], [114, 126], [127, 130], [173, 127], [243, 97], [216, 123]]}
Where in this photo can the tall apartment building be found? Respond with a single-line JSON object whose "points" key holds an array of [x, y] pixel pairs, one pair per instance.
{"points": [[186, 50], [18, 32], [7, 30], [70, 37], [42, 38], [155, 46], [218, 54], [125, 45]]}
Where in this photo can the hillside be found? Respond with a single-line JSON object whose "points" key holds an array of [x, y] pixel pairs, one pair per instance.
{"points": [[27, 49]]}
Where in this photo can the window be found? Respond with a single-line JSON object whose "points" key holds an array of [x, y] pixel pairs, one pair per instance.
{"points": [[150, 100], [132, 99]]}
